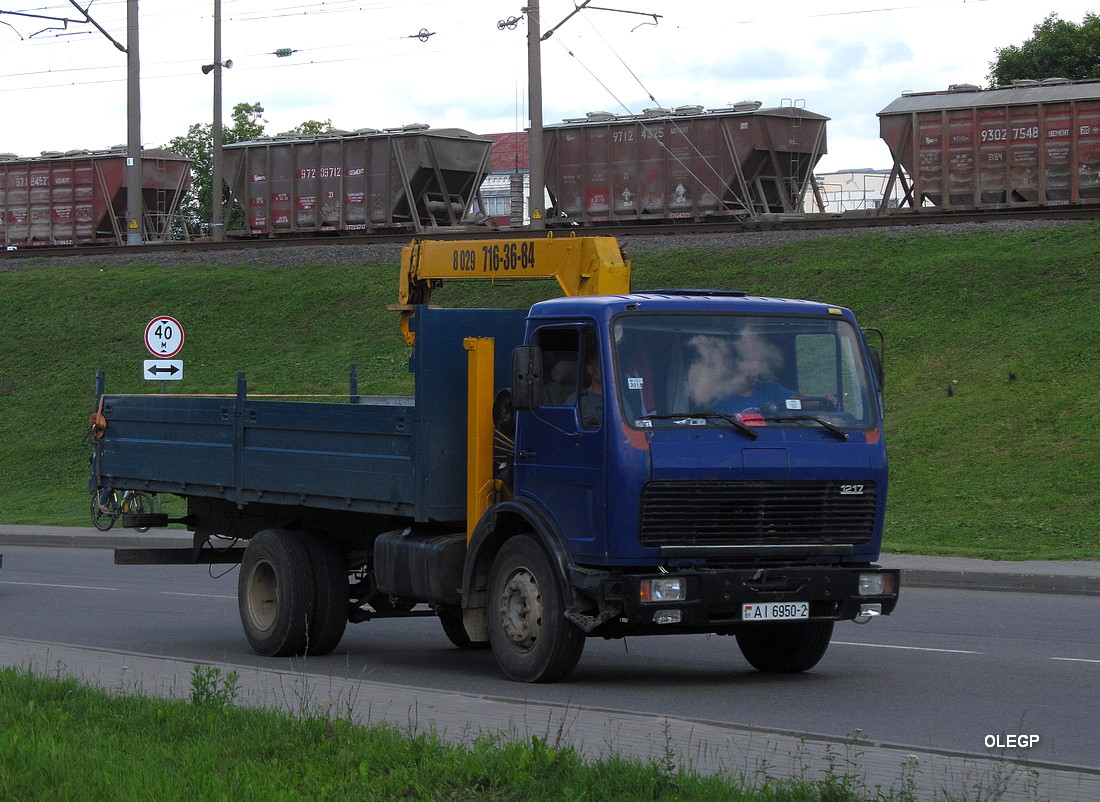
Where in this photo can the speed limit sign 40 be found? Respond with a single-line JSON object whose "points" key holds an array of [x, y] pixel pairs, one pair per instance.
{"points": [[164, 336]]}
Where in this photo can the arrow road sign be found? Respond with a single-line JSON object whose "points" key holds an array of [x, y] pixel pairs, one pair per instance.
{"points": [[163, 369]]}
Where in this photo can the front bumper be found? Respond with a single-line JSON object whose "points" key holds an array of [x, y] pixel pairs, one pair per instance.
{"points": [[714, 598]]}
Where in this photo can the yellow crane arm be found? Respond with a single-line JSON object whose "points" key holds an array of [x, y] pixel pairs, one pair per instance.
{"points": [[580, 265]]}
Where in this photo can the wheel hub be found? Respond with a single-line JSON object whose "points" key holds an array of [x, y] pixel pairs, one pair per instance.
{"points": [[263, 589], [521, 610]]}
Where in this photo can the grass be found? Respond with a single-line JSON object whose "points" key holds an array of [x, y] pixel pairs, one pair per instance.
{"points": [[992, 353], [62, 740]]}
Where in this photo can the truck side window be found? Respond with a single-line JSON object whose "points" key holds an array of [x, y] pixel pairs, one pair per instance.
{"points": [[560, 348], [591, 397], [572, 374]]}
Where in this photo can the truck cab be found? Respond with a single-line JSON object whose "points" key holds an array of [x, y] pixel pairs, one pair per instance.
{"points": [[699, 461]]}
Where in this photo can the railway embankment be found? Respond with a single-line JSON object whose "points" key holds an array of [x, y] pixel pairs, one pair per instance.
{"points": [[992, 356]]}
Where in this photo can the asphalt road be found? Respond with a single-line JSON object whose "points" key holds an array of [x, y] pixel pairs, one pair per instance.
{"points": [[947, 671]]}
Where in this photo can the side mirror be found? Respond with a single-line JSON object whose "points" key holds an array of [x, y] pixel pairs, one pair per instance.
{"points": [[876, 365], [876, 354], [527, 377]]}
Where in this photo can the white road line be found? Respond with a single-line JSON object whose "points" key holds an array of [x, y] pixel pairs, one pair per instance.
{"points": [[197, 595], [911, 648], [1075, 660], [96, 587], [51, 585]]}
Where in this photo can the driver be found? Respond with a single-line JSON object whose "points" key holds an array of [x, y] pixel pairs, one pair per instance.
{"points": [[752, 396]]}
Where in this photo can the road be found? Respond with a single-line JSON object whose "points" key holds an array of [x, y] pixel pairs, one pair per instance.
{"points": [[947, 671]]}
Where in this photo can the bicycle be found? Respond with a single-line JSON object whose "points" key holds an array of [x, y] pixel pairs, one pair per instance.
{"points": [[108, 505]]}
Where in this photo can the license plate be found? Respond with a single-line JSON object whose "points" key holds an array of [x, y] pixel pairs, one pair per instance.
{"points": [[775, 611]]}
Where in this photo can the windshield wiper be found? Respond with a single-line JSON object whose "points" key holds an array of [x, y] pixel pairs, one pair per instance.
{"points": [[832, 427], [686, 417]]}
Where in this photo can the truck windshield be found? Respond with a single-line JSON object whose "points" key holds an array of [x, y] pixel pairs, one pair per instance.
{"points": [[740, 371]]}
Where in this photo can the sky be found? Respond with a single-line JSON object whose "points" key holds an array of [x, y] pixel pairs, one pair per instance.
{"points": [[364, 64]]}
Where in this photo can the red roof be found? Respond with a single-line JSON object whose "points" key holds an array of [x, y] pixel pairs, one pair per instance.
{"points": [[509, 151]]}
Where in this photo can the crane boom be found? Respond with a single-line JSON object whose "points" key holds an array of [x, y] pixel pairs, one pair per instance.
{"points": [[580, 265]]}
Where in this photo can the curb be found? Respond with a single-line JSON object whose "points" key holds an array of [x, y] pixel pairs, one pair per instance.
{"points": [[77, 538], [978, 580]]}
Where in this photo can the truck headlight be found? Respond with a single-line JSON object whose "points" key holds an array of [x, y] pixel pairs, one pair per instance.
{"points": [[876, 584], [664, 589]]}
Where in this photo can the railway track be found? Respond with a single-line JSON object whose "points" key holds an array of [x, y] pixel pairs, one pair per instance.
{"points": [[816, 222]]}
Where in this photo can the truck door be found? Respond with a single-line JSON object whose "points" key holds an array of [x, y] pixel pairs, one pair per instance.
{"points": [[560, 454]]}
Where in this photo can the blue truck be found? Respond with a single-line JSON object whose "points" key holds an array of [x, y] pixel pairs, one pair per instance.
{"points": [[604, 464]]}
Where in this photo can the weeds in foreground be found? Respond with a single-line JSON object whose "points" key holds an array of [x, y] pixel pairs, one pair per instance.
{"points": [[210, 689], [60, 740]]}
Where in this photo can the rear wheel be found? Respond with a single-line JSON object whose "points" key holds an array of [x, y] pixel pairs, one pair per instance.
{"points": [[785, 647], [275, 593], [328, 617], [531, 639]]}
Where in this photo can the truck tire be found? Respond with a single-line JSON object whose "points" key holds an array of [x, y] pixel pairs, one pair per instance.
{"points": [[531, 639], [785, 647], [451, 619], [275, 593], [332, 592]]}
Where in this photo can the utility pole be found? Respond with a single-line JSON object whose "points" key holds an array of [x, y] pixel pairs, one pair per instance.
{"points": [[216, 196], [135, 212], [535, 151]]}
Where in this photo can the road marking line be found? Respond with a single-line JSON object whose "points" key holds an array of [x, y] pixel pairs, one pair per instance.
{"points": [[51, 585], [911, 648], [197, 595], [1075, 660]]}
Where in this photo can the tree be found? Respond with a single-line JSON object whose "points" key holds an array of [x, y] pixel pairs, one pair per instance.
{"points": [[198, 146], [1057, 48], [312, 127]]}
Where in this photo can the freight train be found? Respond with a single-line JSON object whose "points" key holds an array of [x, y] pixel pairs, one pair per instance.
{"points": [[1031, 145]]}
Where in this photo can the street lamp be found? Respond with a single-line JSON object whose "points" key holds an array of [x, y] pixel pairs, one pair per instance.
{"points": [[217, 226]]}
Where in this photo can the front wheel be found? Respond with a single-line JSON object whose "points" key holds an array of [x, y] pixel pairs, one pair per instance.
{"points": [[785, 647], [531, 639]]}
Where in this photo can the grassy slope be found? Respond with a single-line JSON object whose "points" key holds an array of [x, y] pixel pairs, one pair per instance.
{"points": [[1000, 467]]}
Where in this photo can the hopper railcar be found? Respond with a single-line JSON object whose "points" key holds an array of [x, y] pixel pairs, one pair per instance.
{"points": [[686, 164], [413, 179], [1029, 145], [79, 197]]}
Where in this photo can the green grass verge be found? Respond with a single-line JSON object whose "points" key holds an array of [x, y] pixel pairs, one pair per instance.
{"points": [[61, 740], [992, 353]]}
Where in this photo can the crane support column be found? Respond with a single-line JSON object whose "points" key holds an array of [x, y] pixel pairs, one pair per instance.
{"points": [[480, 485]]}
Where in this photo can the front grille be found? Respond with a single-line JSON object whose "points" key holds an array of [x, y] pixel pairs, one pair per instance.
{"points": [[757, 513]]}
